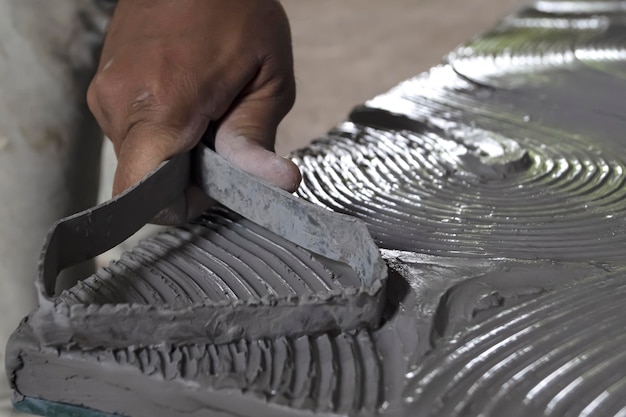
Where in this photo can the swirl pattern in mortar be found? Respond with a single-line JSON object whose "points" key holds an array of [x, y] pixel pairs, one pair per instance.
{"points": [[220, 257], [504, 187], [448, 188], [513, 149], [557, 354]]}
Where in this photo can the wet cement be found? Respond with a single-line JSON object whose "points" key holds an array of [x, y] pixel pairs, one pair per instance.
{"points": [[495, 185], [216, 280]]}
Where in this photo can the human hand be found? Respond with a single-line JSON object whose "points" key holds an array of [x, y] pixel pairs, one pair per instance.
{"points": [[169, 67]]}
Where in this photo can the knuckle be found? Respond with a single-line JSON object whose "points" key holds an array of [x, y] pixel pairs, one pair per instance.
{"points": [[145, 99], [281, 82], [290, 92], [105, 92], [92, 98], [285, 90], [123, 90]]}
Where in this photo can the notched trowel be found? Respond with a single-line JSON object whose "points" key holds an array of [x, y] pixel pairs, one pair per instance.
{"points": [[333, 236]]}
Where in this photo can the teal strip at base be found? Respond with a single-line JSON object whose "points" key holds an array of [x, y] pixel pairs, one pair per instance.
{"points": [[54, 409]]}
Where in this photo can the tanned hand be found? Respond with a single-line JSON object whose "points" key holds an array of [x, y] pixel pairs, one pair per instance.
{"points": [[169, 67]]}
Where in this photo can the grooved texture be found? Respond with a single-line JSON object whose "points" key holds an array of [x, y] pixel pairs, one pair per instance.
{"points": [[323, 374], [513, 149], [560, 353], [428, 191], [220, 257], [501, 177]]}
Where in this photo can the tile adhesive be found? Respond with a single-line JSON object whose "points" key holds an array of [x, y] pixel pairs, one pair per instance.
{"points": [[494, 185]]}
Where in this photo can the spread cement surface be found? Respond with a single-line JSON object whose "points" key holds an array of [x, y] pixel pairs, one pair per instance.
{"points": [[216, 280], [495, 186], [244, 262]]}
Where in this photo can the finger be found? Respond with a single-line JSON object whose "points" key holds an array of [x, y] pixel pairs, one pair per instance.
{"points": [[247, 134], [142, 151], [251, 157]]}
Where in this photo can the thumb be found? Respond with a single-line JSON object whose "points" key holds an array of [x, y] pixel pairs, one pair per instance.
{"points": [[246, 137], [144, 148]]}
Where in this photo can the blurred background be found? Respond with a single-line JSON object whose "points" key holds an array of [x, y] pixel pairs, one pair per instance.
{"points": [[347, 51]]}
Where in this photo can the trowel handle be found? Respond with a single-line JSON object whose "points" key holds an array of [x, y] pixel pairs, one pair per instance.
{"points": [[89, 233]]}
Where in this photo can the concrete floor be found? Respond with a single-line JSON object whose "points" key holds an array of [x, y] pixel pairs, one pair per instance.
{"points": [[350, 50]]}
